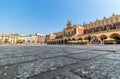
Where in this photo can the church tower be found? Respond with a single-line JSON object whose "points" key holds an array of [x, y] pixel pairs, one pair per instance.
{"points": [[69, 24]]}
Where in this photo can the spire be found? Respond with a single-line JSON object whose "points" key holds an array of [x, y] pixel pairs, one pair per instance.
{"points": [[69, 24], [104, 17], [113, 14], [90, 22]]}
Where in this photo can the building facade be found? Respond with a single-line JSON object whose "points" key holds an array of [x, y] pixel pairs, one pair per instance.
{"points": [[67, 34], [13, 39], [107, 28], [40, 39]]}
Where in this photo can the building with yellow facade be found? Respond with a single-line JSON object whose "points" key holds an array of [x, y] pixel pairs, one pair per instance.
{"points": [[13, 39], [107, 28]]}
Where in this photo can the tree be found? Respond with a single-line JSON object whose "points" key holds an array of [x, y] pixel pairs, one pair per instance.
{"points": [[80, 39], [33, 41], [17, 41], [38, 42], [0, 41], [6, 41], [23, 41], [28, 41]]}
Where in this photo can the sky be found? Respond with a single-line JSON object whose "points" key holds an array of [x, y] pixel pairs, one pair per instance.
{"points": [[50, 16]]}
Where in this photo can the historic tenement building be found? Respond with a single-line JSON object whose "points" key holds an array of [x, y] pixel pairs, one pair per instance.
{"points": [[40, 39], [8, 38], [68, 34], [107, 28]]}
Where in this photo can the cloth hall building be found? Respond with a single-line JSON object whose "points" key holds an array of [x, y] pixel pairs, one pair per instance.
{"points": [[107, 28]]}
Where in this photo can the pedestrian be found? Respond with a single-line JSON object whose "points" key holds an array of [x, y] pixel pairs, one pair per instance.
{"points": [[89, 39], [102, 40]]}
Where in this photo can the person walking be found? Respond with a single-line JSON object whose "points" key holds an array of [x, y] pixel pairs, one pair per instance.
{"points": [[89, 39], [102, 40]]}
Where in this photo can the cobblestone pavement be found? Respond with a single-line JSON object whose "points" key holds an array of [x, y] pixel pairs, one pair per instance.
{"points": [[60, 62]]}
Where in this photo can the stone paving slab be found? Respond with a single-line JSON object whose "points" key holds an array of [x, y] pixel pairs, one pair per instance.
{"points": [[8, 61], [30, 62], [87, 54], [34, 68], [98, 47], [113, 56], [99, 69], [61, 76]]}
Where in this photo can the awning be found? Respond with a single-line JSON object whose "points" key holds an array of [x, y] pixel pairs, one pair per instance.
{"points": [[109, 39]]}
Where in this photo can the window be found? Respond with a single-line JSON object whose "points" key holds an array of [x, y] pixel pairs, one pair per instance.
{"points": [[108, 28], [99, 29], [68, 33], [92, 30]]}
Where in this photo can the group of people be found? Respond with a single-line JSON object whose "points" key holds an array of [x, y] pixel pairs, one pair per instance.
{"points": [[95, 40]]}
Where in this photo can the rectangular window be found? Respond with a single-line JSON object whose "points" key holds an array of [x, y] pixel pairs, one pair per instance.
{"points": [[74, 30]]}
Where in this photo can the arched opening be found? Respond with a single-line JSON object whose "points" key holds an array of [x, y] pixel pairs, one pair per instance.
{"points": [[62, 41], [73, 39], [65, 41], [54, 42], [69, 39], [116, 37], [80, 39], [51, 42], [59, 42], [103, 37]]}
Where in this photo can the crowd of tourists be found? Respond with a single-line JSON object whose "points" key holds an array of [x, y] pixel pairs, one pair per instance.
{"points": [[95, 40]]}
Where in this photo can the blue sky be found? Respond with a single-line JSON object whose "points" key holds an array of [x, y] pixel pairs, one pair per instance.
{"points": [[49, 16]]}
